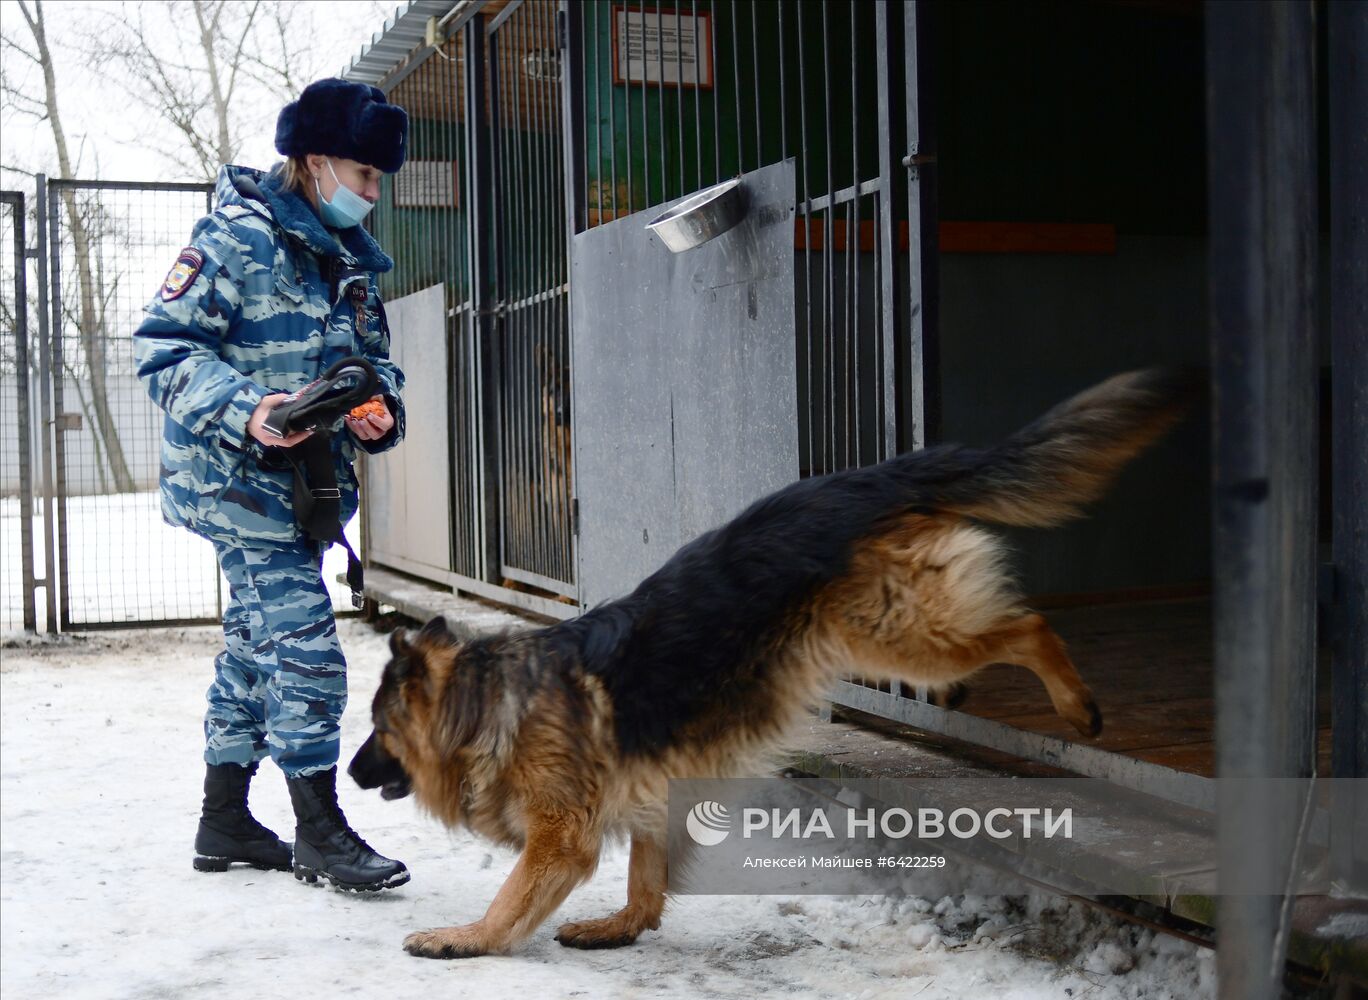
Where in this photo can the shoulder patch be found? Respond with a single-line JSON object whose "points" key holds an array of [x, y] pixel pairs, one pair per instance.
{"points": [[188, 264]]}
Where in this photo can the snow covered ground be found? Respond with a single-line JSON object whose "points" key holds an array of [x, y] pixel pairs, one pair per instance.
{"points": [[99, 792]]}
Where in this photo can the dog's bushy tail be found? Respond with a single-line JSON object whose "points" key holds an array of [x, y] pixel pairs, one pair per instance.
{"points": [[1047, 472]]}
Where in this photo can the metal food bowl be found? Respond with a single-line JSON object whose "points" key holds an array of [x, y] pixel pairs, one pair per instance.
{"points": [[702, 216]]}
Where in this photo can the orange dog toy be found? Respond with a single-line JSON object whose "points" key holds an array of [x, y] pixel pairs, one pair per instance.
{"points": [[371, 407]]}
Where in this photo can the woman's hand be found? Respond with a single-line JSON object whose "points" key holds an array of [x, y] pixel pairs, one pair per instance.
{"points": [[375, 424], [256, 430]]}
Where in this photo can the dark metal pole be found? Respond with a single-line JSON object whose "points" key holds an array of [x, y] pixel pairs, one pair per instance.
{"points": [[1262, 183], [622, 52], [921, 411], [679, 95], [646, 149], [736, 84], [45, 420], [852, 295], [805, 214], [485, 293], [1348, 94], [575, 108], [660, 104], [828, 256], [697, 98], [541, 220], [717, 118], [25, 408], [572, 83], [57, 573], [512, 265], [891, 146]]}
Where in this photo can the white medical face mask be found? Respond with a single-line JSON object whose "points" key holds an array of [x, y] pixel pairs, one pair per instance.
{"points": [[346, 209]]}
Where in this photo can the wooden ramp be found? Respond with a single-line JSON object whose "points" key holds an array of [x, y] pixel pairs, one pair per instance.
{"points": [[1149, 665]]}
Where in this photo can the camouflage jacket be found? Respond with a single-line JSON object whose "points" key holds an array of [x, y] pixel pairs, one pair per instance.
{"points": [[247, 311]]}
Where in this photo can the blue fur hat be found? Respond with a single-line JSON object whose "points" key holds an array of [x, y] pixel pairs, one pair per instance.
{"points": [[336, 118]]}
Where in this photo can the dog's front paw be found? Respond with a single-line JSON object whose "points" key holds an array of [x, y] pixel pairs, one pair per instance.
{"points": [[447, 942]]}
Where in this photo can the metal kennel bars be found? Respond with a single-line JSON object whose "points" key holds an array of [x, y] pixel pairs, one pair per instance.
{"points": [[494, 92], [673, 97], [487, 222], [532, 296]]}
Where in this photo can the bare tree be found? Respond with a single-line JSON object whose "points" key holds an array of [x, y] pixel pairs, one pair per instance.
{"points": [[210, 69], [279, 63], [183, 62], [89, 318]]}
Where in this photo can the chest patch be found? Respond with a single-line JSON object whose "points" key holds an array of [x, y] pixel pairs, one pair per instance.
{"points": [[182, 274]]}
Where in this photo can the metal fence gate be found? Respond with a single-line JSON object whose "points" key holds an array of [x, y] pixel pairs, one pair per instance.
{"points": [[109, 244], [88, 437], [78, 480]]}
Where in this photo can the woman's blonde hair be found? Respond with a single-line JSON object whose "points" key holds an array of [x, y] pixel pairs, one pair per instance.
{"points": [[294, 175]]}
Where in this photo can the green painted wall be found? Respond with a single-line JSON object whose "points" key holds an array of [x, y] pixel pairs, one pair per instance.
{"points": [[768, 100]]}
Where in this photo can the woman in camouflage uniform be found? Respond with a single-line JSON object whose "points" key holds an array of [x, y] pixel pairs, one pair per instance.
{"points": [[278, 282]]}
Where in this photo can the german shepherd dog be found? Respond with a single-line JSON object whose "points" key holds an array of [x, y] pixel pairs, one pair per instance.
{"points": [[551, 740]]}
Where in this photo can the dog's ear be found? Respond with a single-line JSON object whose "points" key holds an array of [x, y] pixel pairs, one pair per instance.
{"points": [[406, 661], [436, 630]]}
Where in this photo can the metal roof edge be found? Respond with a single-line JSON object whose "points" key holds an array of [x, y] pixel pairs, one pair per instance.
{"points": [[403, 32]]}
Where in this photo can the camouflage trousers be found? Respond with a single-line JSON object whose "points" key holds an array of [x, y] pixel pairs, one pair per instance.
{"points": [[280, 684]]}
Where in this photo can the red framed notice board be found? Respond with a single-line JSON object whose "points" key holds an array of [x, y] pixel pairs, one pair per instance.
{"points": [[662, 48]]}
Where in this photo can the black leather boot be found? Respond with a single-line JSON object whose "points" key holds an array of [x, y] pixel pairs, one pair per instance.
{"points": [[325, 845], [228, 833]]}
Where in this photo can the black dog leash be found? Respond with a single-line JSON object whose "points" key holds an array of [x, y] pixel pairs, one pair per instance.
{"points": [[318, 502], [316, 407]]}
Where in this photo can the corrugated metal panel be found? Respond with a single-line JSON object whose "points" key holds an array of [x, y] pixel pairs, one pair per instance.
{"points": [[389, 46]]}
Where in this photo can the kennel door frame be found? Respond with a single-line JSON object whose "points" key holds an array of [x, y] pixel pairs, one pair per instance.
{"points": [[408, 508]]}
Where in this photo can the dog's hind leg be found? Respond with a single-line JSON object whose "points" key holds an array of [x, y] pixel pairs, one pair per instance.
{"points": [[950, 696], [1030, 642], [646, 877], [560, 853]]}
